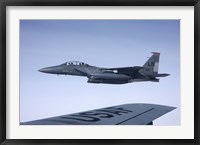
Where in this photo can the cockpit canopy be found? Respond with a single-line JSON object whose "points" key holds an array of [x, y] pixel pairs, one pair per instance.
{"points": [[75, 63]]}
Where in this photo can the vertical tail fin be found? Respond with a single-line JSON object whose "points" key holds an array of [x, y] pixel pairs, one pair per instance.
{"points": [[151, 66]]}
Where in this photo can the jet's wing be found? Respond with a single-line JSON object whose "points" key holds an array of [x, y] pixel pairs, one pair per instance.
{"points": [[135, 68], [123, 70], [127, 114]]}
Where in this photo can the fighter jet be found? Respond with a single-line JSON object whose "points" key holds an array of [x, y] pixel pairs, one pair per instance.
{"points": [[126, 114], [121, 75]]}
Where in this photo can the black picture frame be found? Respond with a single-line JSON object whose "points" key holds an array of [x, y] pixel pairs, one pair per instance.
{"points": [[5, 3]]}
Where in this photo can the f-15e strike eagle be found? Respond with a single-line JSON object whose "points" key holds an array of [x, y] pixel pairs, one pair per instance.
{"points": [[122, 75]]}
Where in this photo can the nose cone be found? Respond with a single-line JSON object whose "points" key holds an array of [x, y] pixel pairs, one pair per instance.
{"points": [[51, 70], [44, 70]]}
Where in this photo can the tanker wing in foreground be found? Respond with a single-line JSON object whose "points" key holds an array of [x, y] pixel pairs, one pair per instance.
{"points": [[127, 114], [121, 75]]}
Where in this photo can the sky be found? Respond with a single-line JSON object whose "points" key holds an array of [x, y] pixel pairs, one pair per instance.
{"points": [[103, 43]]}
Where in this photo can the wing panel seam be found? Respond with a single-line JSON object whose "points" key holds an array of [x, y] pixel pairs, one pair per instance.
{"points": [[135, 116]]}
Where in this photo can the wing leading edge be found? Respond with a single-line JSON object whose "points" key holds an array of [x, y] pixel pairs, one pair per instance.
{"points": [[127, 114]]}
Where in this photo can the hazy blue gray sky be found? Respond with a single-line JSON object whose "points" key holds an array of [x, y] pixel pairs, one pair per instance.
{"points": [[104, 43]]}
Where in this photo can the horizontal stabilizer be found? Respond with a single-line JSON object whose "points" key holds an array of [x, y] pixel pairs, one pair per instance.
{"points": [[162, 75], [127, 114]]}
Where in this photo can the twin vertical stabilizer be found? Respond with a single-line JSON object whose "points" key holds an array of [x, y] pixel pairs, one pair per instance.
{"points": [[151, 65], [150, 68]]}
